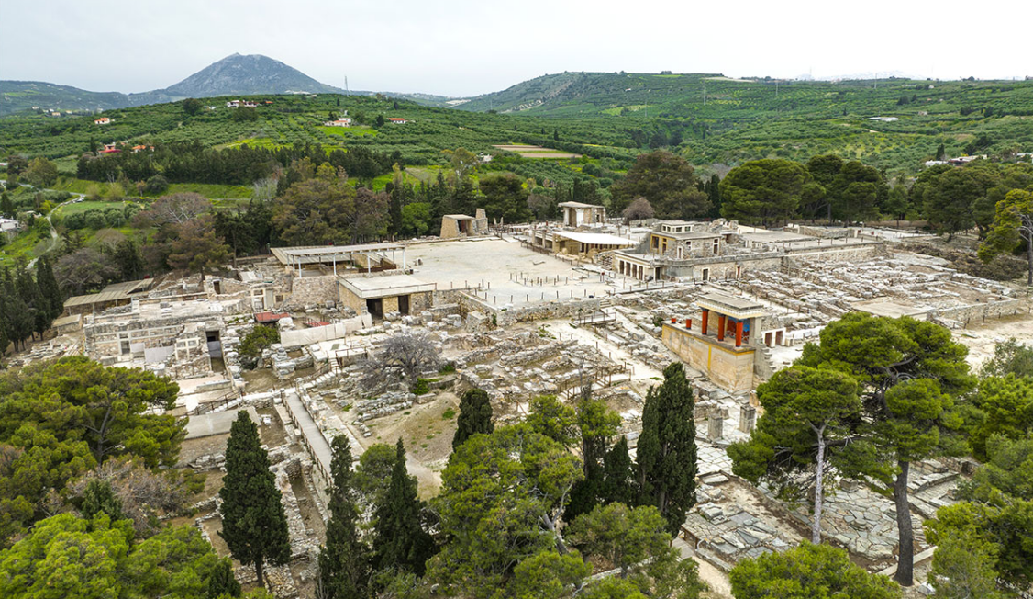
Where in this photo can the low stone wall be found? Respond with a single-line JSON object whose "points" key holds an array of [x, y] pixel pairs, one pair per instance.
{"points": [[848, 253], [980, 312]]}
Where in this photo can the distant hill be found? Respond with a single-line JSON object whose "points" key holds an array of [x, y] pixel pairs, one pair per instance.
{"points": [[18, 96], [235, 75], [721, 101], [559, 91]]}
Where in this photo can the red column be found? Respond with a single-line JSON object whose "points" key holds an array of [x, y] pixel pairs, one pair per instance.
{"points": [[703, 322], [689, 323], [739, 332], [721, 327]]}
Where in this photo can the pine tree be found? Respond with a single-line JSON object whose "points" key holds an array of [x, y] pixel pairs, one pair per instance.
{"points": [[597, 424], [618, 475], [475, 417], [254, 524], [667, 451], [400, 542], [344, 562]]}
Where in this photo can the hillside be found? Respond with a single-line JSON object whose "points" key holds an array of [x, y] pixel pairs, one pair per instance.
{"points": [[19, 96], [714, 96], [235, 75], [895, 127]]}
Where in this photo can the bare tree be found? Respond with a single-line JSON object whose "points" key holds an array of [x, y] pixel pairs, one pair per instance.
{"points": [[264, 189], [145, 496], [174, 209], [410, 353], [82, 270], [639, 209]]}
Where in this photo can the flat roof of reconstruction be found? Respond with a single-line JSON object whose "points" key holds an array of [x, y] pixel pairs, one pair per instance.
{"points": [[386, 286], [600, 238], [118, 291], [737, 307], [314, 254]]}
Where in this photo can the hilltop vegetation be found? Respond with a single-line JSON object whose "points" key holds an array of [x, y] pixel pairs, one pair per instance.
{"points": [[708, 119]]}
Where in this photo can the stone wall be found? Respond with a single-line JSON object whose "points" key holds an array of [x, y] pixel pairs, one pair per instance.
{"points": [[844, 253], [980, 312], [312, 291], [824, 232]]}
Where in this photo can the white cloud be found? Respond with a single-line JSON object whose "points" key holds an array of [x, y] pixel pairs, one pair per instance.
{"points": [[465, 47]]}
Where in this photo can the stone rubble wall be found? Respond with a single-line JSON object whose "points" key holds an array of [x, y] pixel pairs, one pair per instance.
{"points": [[309, 292]]}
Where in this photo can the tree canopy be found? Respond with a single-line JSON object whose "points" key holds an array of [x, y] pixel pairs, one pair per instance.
{"points": [[763, 191], [668, 183], [808, 572]]}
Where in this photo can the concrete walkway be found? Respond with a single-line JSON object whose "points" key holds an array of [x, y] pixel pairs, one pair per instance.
{"points": [[313, 436]]}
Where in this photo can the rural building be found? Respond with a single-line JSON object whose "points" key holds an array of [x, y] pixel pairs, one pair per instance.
{"points": [[722, 342], [8, 225], [398, 121], [342, 122], [380, 295], [577, 214], [461, 225], [101, 121]]}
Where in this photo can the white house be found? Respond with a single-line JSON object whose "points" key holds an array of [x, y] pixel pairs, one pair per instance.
{"points": [[8, 225], [398, 121], [339, 123], [101, 121]]}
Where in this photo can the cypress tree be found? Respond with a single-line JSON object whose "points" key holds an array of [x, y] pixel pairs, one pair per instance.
{"points": [[254, 524], [6, 206], [667, 452], [344, 562], [49, 288], [100, 497], [475, 417], [401, 543], [221, 581], [19, 317], [4, 339], [618, 475]]}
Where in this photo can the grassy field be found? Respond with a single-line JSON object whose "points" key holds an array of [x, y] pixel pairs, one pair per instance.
{"points": [[25, 245], [211, 191], [86, 205]]}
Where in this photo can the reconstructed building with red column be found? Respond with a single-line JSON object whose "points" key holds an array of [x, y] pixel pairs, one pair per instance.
{"points": [[723, 345]]}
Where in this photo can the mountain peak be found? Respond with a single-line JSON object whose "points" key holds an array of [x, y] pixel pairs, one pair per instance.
{"points": [[245, 74]]}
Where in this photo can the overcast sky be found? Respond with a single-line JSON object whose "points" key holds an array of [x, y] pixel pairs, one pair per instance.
{"points": [[460, 47]]}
